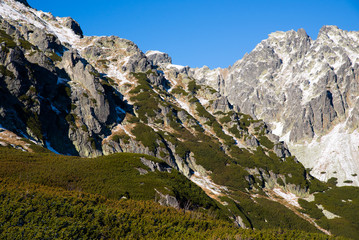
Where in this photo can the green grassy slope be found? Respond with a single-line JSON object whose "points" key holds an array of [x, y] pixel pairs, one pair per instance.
{"points": [[113, 177], [341, 201], [33, 211]]}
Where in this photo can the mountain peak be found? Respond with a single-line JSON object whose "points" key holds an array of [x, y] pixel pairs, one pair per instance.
{"points": [[328, 29], [301, 33]]}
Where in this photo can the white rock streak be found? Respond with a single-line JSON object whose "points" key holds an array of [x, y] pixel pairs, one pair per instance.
{"points": [[114, 72], [206, 184], [289, 197]]}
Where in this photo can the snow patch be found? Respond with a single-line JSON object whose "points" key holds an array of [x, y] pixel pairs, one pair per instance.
{"points": [[125, 130], [327, 214], [184, 106], [285, 137], [114, 72]]}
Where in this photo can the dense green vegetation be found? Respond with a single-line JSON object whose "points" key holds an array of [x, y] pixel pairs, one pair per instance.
{"points": [[192, 86], [116, 176], [25, 44], [311, 209], [31, 211], [263, 211], [212, 153], [343, 202], [50, 193], [147, 136], [266, 142]]}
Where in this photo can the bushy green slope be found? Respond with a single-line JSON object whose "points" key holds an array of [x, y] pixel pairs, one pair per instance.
{"points": [[116, 176], [113, 176], [32, 211], [341, 201]]}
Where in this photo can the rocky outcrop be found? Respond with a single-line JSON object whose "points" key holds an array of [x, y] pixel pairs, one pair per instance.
{"points": [[73, 25], [156, 166], [55, 83], [167, 200], [221, 103], [43, 40], [157, 58], [137, 63]]}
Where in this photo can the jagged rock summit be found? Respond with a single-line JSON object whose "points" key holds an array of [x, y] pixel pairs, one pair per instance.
{"points": [[307, 90]]}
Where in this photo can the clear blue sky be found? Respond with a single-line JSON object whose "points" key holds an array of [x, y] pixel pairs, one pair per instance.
{"points": [[197, 33]]}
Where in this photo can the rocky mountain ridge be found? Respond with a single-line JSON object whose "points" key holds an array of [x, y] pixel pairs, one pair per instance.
{"points": [[307, 91], [93, 82]]}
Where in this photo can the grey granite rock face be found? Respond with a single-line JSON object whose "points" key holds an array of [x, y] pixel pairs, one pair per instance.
{"points": [[302, 87], [290, 77], [158, 58], [221, 104], [53, 95], [156, 166], [138, 63], [44, 41]]}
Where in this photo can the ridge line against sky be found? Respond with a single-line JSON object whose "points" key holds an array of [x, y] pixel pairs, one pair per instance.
{"points": [[197, 33]]}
